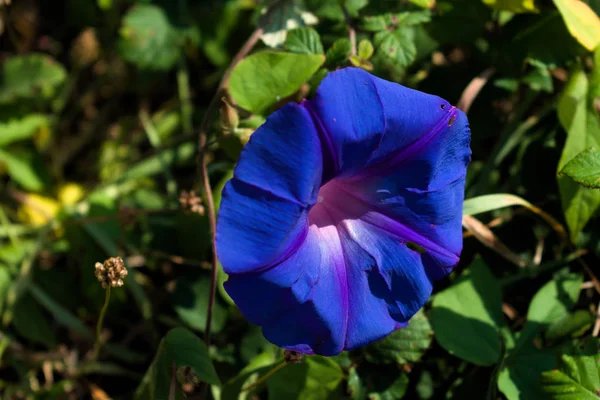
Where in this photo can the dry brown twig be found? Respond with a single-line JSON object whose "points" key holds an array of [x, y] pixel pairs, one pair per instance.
{"points": [[202, 141], [473, 88]]}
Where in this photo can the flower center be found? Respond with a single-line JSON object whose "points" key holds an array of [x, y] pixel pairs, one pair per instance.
{"points": [[334, 205]]}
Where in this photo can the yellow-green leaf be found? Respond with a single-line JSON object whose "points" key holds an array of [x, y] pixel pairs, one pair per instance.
{"points": [[516, 6], [582, 22]]}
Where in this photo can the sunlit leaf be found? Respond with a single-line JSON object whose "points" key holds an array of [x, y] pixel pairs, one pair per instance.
{"points": [[582, 21], [267, 77], [30, 76], [584, 168], [578, 117]]}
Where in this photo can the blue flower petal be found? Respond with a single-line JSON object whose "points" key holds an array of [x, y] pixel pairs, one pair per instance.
{"points": [[425, 192], [368, 120], [301, 302], [264, 207]]}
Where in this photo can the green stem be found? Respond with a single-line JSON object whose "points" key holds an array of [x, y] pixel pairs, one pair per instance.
{"points": [[98, 344], [185, 98], [266, 376]]}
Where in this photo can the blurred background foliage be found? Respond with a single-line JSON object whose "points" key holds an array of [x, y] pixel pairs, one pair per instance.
{"points": [[100, 107]]}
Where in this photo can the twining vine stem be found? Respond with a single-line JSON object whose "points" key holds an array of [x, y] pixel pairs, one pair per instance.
{"points": [[202, 142]]}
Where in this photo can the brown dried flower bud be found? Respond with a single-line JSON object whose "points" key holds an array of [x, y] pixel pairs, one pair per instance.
{"points": [[189, 201], [292, 357], [229, 117], [86, 48], [111, 272]]}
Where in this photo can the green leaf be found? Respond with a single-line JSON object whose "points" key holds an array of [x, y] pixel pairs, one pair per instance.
{"points": [[398, 46], [24, 169], [264, 78], [491, 202], [584, 168], [338, 53], [30, 76], [156, 163], [467, 317], [582, 22], [181, 348], [515, 6], [572, 324], [552, 302], [261, 364], [423, 3], [29, 320], [520, 377], [16, 129], [577, 376], [578, 117], [365, 49], [190, 300], [376, 383], [187, 349], [406, 345], [60, 314], [148, 39], [390, 21], [554, 299], [278, 17], [304, 41], [315, 378]]}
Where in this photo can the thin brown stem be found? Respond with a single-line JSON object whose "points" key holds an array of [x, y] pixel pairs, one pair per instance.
{"points": [[351, 31], [202, 141]]}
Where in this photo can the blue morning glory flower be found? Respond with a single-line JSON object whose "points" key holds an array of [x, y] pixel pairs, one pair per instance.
{"points": [[342, 212]]}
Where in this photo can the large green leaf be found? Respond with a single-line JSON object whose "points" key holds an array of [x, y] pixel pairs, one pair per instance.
{"points": [[403, 346], [179, 348], [264, 78], [467, 317], [584, 168], [30, 76], [315, 378], [581, 121], [577, 376]]}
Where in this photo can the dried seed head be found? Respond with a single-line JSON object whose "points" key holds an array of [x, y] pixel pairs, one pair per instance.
{"points": [[189, 201], [86, 48], [292, 357], [111, 272]]}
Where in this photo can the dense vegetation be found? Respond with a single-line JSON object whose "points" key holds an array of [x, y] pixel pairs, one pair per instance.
{"points": [[105, 103]]}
